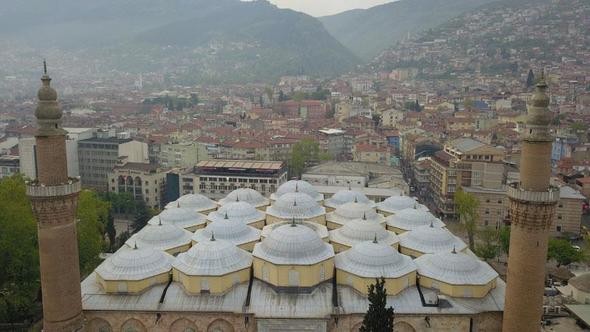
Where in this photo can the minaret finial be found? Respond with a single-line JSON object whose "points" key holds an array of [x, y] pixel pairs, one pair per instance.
{"points": [[44, 67]]}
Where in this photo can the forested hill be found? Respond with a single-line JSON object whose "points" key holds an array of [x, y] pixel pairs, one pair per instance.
{"points": [[368, 32]]}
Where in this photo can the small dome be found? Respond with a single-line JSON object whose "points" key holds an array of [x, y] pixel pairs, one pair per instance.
{"points": [[581, 282], [347, 196], [162, 237], [212, 258], [237, 212], [409, 219], [295, 205], [394, 204], [455, 268], [237, 233], [135, 264], [360, 230], [180, 217], [247, 195], [430, 239], [371, 259], [297, 186], [320, 229], [194, 201], [294, 245], [351, 211]]}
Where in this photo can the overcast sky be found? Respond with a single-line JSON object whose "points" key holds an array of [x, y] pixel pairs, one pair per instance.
{"points": [[326, 7]]}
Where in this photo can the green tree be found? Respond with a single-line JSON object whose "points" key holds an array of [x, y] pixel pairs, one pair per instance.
{"points": [[530, 80], [504, 239], [92, 218], [142, 216], [19, 280], [563, 253], [378, 318], [110, 230], [488, 247], [303, 152], [466, 206]]}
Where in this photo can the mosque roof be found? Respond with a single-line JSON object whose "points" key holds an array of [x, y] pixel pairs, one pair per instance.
{"points": [[347, 196], [318, 228], [431, 239], [136, 263], [212, 258], [360, 230], [161, 236], [412, 218], [193, 201], [180, 217], [455, 268], [237, 211], [581, 282], [293, 244], [352, 210], [247, 195], [294, 186], [295, 205], [394, 204], [374, 259], [237, 233]]}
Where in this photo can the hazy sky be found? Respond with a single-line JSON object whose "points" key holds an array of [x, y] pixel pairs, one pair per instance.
{"points": [[326, 7]]}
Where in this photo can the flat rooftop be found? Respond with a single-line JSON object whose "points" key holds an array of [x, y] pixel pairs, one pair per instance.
{"points": [[241, 164]]}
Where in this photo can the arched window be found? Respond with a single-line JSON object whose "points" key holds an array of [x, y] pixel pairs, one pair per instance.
{"points": [[133, 325], [220, 325]]}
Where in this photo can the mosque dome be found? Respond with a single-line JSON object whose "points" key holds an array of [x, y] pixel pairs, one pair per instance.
{"points": [[297, 186], [293, 244], [237, 233], [161, 236], [350, 211], [455, 268], [180, 217], [347, 196], [194, 201], [135, 264], [295, 205], [247, 195], [212, 258], [318, 228], [361, 230], [237, 211], [430, 239], [372, 259], [409, 219], [394, 204]]}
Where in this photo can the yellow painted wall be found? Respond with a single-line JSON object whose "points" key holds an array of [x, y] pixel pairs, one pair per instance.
{"points": [[278, 275], [132, 286], [249, 246], [318, 220], [393, 286], [178, 250], [192, 229], [414, 253], [396, 230], [217, 284], [477, 291], [384, 213]]}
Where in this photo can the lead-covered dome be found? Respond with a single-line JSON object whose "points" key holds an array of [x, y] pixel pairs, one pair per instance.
{"points": [[196, 202], [212, 258], [410, 219], [351, 211], [161, 237], [297, 186], [180, 217], [361, 230], [430, 239], [395, 204], [372, 259], [237, 233], [295, 205], [135, 264], [318, 228], [293, 244], [247, 195], [455, 268], [237, 212], [347, 196]]}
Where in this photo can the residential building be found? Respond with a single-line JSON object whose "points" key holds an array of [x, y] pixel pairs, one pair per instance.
{"points": [[9, 165], [369, 153], [183, 154], [144, 181]]}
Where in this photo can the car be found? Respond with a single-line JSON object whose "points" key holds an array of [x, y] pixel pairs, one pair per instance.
{"points": [[576, 247]]}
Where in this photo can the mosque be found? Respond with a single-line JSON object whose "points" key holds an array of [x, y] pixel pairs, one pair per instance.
{"points": [[296, 261]]}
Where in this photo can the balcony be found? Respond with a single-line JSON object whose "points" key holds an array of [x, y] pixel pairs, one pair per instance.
{"points": [[516, 193]]}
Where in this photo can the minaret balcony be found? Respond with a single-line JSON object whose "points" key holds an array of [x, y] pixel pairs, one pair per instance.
{"points": [[36, 189], [515, 192]]}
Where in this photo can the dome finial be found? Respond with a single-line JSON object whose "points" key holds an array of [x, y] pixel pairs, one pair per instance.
{"points": [[375, 238], [177, 204], [237, 197], [431, 224], [454, 250], [212, 236], [349, 188], [356, 199], [225, 216], [294, 202], [364, 215], [135, 246], [159, 221], [296, 187], [293, 224], [415, 206]]}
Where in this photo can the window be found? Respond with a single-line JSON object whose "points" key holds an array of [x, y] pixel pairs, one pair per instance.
{"points": [[558, 228], [293, 278], [559, 216]]}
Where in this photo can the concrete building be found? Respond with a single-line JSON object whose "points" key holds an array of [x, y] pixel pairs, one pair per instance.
{"points": [[145, 182], [9, 165], [336, 142], [182, 155], [216, 178], [99, 155]]}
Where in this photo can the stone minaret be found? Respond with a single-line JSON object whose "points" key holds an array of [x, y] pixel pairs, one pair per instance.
{"points": [[54, 197], [532, 207]]}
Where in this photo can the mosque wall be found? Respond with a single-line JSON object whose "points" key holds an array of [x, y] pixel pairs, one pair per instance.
{"points": [[132, 286], [393, 286], [339, 247], [214, 284], [177, 250], [478, 291], [396, 230]]}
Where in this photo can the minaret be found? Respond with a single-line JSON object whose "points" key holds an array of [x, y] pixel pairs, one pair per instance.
{"points": [[532, 207], [54, 197]]}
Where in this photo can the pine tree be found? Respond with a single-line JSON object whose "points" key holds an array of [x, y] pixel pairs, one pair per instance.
{"points": [[378, 318], [530, 80], [110, 229]]}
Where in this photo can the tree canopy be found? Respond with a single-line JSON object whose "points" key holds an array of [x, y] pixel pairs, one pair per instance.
{"points": [[378, 318], [303, 152], [563, 253], [466, 206]]}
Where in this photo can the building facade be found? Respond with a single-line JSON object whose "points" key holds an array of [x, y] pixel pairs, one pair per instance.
{"points": [[9, 165], [146, 182]]}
